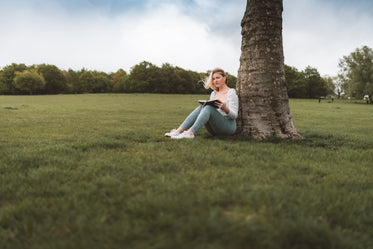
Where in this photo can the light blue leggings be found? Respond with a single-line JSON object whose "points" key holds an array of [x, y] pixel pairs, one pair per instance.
{"points": [[208, 116]]}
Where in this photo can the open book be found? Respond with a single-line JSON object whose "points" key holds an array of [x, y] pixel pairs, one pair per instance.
{"points": [[209, 102]]}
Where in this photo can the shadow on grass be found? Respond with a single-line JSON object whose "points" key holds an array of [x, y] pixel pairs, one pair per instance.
{"points": [[312, 140]]}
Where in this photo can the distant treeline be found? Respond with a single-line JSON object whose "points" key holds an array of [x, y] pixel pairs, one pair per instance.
{"points": [[308, 83], [19, 79]]}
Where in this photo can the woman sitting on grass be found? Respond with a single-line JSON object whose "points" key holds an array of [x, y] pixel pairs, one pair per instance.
{"points": [[219, 119]]}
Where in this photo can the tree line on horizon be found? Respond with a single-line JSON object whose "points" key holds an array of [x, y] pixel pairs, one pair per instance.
{"points": [[355, 79], [145, 77]]}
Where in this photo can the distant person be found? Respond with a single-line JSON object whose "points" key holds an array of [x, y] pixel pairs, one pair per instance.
{"points": [[319, 99], [219, 119]]}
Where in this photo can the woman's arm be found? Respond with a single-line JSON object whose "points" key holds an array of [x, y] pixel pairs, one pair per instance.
{"points": [[212, 95], [233, 104]]}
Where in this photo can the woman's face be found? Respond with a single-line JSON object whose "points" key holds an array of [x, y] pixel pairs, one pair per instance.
{"points": [[218, 80]]}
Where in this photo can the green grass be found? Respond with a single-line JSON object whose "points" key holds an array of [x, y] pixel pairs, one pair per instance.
{"points": [[94, 171]]}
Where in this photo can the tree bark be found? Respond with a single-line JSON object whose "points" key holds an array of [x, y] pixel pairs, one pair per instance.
{"points": [[261, 87]]}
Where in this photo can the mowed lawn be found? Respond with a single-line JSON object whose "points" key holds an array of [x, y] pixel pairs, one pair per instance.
{"points": [[95, 171]]}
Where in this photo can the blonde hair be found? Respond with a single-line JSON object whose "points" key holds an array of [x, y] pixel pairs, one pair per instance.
{"points": [[208, 81]]}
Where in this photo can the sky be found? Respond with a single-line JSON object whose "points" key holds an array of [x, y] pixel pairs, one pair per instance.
{"points": [[198, 35]]}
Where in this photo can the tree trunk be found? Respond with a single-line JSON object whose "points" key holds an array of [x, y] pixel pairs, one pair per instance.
{"points": [[264, 103]]}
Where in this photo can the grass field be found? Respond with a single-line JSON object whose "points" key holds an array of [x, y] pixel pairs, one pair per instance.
{"points": [[95, 171]]}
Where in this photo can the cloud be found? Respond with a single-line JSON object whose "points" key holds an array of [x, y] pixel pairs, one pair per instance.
{"points": [[166, 35], [95, 40], [56, 38], [319, 34]]}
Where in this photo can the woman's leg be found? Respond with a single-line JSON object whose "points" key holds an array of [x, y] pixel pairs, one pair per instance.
{"points": [[210, 129], [215, 123], [225, 127], [192, 117]]}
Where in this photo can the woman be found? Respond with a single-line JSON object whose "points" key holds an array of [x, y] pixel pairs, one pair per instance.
{"points": [[219, 120]]}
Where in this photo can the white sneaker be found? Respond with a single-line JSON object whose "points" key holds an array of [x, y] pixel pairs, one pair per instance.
{"points": [[183, 135], [173, 132]]}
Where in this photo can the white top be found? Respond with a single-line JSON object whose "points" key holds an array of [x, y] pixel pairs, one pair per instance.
{"points": [[231, 103]]}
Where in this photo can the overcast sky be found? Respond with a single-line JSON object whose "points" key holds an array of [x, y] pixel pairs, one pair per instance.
{"points": [[106, 35]]}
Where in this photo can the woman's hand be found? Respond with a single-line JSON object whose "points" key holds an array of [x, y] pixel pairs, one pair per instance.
{"points": [[220, 104], [223, 106]]}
